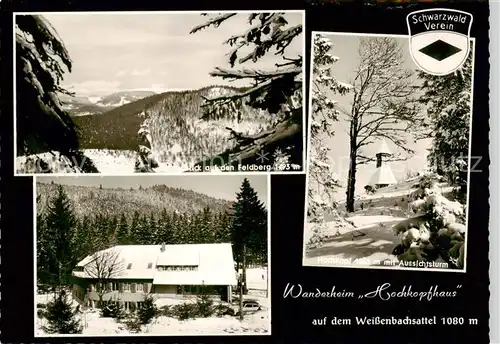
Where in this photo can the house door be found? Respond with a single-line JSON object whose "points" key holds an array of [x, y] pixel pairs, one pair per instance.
{"points": [[224, 294]]}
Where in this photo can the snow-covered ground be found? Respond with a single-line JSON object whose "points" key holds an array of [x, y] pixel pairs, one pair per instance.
{"points": [[123, 162], [369, 243], [257, 278], [255, 324], [94, 325], [55, 162], [370, 240], [106, 161], [112, 162]]}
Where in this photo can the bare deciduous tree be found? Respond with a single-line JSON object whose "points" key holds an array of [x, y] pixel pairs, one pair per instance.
{"points": [[103, 267], [384, 105]]}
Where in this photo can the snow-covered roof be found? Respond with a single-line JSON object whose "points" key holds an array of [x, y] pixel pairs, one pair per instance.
{"points": [[215, 266], [175, 255], [383, 148], [383, 175], [214, 263]]}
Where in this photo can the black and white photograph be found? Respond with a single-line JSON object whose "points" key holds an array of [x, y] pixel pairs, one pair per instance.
{"points": [[152, 255], [389, 157], [159, 92]]}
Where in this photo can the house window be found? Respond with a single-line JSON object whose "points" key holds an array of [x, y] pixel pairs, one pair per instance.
{"points": [[150, 265], [181, 268], [129, 266], [126, 287], [115, 286], [140, 287]]}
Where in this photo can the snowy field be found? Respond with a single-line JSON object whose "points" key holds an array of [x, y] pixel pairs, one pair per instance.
{"points": [[369, 243], [257, 278], [257, 323], [94, 325], [106, 161], [370, 240]]}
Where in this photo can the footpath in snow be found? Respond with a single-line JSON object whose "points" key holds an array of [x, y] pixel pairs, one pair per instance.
{"points": [[370, 240]]}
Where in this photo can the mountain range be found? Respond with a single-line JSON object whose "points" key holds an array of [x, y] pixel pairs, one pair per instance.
{"points": [[93, 105], [172, 120]]}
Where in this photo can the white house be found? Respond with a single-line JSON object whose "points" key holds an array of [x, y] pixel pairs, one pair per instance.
{"points": [[171, 271]]}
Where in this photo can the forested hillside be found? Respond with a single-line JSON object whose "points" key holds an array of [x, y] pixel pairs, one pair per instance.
{"points": [[113, 202], [76, 221], [173, 120]]}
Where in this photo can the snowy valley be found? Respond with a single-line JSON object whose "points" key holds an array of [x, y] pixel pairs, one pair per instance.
{"points": [[169, 125]]}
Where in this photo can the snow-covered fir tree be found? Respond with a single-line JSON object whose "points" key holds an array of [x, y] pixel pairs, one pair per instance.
{"points": [[61, 317], [57, 246], [322, 179], [249, 227], [275, 90], [438, 231], [145, 161], [147, 311], [42, 125], [448, 101]]}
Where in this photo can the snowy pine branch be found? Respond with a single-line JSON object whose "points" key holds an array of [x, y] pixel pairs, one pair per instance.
{"points": [[215, 22], [270, 89]]}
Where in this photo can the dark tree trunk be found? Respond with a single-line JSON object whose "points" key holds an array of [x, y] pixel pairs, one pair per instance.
{"points": [[351, 183], [351, 177]]}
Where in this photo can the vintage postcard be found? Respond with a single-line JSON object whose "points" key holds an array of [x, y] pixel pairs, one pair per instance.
{"points": [[299, 171], [159, 92], [158, 256], [389, 157]]}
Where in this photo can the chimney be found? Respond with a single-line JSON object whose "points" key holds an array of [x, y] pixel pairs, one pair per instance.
{"points": [[162, 249]]}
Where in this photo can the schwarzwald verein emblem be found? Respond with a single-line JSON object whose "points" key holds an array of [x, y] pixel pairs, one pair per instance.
{"points": [[439, 39]]}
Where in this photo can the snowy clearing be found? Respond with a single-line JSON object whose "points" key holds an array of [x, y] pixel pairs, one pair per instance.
{"points": [[371, 242], [369, 239], [94, 325], [256, 278], [257, 323], [110, 162]]}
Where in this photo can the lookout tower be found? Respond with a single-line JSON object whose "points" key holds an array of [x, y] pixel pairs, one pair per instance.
{"points": [[383, 175]]}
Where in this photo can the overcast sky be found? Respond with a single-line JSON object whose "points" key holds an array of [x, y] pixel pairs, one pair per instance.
{"points": [[113, 52], [345, 47], [218, 186]]}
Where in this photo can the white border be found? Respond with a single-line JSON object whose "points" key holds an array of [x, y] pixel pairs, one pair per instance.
{"points": [[361, 266], [304, 141], [269, 282], [494, 173]]}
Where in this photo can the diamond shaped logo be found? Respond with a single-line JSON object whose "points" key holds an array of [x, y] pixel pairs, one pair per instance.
{"points": [[439, 38], [440, 50]]}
